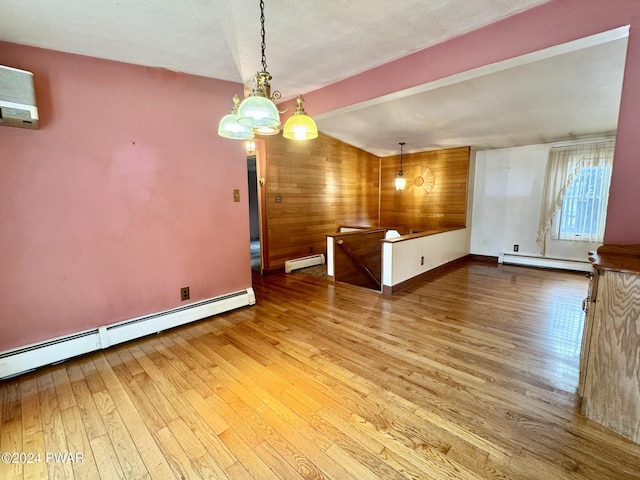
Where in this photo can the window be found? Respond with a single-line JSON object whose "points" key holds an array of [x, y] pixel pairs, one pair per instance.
{"points": [[584, 207], [576, 190]]}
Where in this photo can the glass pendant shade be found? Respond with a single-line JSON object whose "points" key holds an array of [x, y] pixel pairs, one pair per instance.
{"points": [[229, 126], [300, 126], [256, 112]]}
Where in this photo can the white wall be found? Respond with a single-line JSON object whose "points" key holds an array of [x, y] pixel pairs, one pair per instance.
{"points": [[506, 204], [401, 259]]}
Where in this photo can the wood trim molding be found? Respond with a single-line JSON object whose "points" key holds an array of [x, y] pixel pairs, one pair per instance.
{"points": [[426, 233], [274, 271], [483, 258]]}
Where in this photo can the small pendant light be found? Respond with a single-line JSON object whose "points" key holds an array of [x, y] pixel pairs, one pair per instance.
{"points": [[401, 182], [229, 126], [300, 126]]}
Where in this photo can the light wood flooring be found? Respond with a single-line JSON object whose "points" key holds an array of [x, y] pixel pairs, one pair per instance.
{"points": [[470, 375]]}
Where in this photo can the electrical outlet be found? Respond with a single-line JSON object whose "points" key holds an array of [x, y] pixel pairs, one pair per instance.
{"points": [[184, 293], [516, 248], [278, 198], [421, 260]]}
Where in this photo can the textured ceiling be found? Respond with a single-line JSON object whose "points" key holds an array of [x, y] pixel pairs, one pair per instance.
{"points": [[310, 43], [313, 43]]}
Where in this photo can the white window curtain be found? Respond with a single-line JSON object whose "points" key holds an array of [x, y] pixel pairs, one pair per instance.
{"points": [[563, 166]]}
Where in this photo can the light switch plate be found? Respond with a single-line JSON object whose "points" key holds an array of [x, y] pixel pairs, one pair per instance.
{"points": [[236, 195]]}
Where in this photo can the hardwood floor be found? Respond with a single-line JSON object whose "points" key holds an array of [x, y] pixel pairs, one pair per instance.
{"points": [[470, 375]]}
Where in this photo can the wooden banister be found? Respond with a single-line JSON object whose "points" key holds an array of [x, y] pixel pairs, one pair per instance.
{"points": [[357, 262]]}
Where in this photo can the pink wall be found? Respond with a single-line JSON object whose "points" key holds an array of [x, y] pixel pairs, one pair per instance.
{"points": [[123, 196], [555, 22]]}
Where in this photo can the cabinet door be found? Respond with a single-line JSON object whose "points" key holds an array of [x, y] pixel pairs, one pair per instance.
{"points": [[590, 306], [612, 377]]}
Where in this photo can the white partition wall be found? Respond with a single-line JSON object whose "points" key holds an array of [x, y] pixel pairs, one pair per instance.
{"points": [[407, 258]]}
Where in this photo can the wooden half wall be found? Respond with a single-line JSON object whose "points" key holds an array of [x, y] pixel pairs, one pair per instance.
{"points": [[357, 257], [435, 195], [311, 188]]}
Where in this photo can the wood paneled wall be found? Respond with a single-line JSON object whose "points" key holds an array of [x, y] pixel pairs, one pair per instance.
{"points": [[436, 192], [322, 184]]}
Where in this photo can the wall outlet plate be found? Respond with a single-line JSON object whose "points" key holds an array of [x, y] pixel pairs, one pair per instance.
{"points": [[184, 293], [516, 248]]}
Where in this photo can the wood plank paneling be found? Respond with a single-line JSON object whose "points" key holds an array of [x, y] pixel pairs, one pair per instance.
{"points": [[428, 201], [326, 183], [322, 184]]}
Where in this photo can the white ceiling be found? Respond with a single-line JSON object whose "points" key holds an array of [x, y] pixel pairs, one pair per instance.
{"points": [[313, 43], [564, 93]]}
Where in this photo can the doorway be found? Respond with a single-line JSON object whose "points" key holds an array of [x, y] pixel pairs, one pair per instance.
{"points": [[254, 214]]}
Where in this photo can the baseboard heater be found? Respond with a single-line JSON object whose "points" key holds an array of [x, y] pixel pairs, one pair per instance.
{"points": [[23, 359], [303, 262], [544, 262]]}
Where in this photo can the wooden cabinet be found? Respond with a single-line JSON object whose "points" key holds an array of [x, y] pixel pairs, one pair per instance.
{"points": [[610, 360]]}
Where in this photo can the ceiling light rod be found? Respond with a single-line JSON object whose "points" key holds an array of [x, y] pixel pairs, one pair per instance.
{"points": [[258, 111], [263, 48], [263, 78], [401, 181], [257, 114]]}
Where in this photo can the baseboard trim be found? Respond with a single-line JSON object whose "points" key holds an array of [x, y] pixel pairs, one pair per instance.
{"points": [[24, 359], [544, 262], [483, 258]]}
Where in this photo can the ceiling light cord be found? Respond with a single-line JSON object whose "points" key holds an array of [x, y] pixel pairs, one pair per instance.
{"points": [[263, 45]]}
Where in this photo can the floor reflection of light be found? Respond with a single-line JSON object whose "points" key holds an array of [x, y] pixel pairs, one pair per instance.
{"points": [[564, 328], [561, 325]]}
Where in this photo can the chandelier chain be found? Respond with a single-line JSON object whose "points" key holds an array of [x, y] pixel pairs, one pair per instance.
{"points": [[262, 34]]}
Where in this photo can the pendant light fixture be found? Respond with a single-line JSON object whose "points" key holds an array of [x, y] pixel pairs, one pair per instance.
{"points": [[229, 126], [258, 113], [401, 182], [300, 126]]}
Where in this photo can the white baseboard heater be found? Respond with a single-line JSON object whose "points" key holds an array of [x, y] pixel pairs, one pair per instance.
{"points": [[303, 262], [544, 262], [23, 359]]}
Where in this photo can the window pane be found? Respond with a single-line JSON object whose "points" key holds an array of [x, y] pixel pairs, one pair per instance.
{"points": [[581, 204]]}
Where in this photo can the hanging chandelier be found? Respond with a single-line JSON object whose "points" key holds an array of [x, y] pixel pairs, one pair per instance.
{"points": [[258, 114], [401, 181]]}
